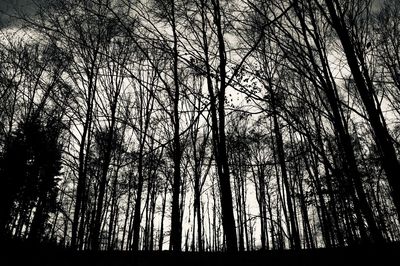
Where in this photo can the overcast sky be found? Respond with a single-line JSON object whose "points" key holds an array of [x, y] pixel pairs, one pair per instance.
{"points": [[8, 7], [27, 6]]}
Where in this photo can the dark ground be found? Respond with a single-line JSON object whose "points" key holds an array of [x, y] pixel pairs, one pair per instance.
{"points": [[26, 254]]}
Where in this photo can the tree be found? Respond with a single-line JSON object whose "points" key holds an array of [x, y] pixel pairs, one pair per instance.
{"points": [[200, 125], [30, 166], [354, 48]]}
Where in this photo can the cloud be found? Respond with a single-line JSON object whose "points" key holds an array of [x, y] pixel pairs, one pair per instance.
{"points": [[9, 8], [28, 7]]}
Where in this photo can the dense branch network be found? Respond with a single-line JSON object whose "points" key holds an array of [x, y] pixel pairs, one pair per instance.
{"points": [[201, 125]]}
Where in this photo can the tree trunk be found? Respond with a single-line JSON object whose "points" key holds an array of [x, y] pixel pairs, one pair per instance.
{"points": [[295, 237]]}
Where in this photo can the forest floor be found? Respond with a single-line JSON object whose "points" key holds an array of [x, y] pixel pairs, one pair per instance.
{"points": [[24, 254]]}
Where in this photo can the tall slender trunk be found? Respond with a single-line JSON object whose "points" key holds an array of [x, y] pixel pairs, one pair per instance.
{"points": [[263, 210], [197, 208], [138, 202], [128, 206], [81, 187], [219, 138], [295, 237], [144, 122], [161, 239], [103, 180], [176, 225]]}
